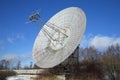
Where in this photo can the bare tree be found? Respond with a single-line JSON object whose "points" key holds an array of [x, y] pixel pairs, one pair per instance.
{"points": [[35, 66], [4, 64], [31, 65], [111, 58], [18, 65]]}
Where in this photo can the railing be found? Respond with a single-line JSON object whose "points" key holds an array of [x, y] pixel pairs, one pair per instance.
{"points": [[32, 71]]}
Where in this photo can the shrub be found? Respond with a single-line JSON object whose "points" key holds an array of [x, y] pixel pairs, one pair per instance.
{"points": [[5, 74]]}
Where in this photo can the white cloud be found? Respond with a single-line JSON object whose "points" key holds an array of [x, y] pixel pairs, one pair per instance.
{"points": [[10, 39], [2, 48], [14, 37], [85, 40], [100, 42], [26, 56], [103, 42], [20, 36], [10, 56], [13, 56]]}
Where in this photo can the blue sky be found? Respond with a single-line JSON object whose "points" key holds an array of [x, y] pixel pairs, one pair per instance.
{"points": [[17, 38]]}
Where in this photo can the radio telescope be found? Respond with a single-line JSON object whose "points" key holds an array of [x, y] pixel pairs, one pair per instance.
{"points": [[59, 37]]}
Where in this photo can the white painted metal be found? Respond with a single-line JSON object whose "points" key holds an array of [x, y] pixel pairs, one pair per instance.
{"points": [[59, 37], [18, 78], [30, 71]]}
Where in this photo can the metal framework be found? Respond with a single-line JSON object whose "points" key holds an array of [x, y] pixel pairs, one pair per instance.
{"points": [[55, 40], [71, 65]]}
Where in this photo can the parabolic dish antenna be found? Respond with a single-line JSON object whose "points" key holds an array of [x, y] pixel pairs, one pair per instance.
{"points": [[59, 37]]}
